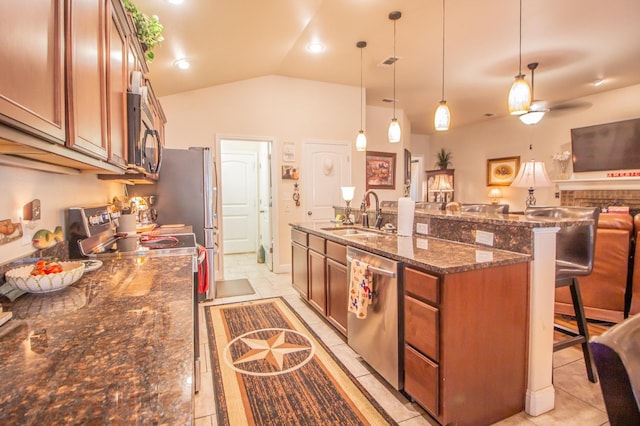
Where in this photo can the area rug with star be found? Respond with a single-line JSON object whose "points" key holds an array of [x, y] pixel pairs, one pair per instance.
{"points": [[269, 368]]}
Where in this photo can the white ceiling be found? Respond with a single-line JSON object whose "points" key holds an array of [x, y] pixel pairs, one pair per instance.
{"points": [[574, 41]]}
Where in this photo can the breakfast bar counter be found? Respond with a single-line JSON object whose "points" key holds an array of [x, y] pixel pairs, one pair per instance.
{"points": [[114, 347]]}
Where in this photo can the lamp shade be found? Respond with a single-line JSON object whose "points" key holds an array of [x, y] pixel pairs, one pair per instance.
{"points": [[348, 192], [395, 133], [361, 141], [532, 174], [495, 194], [442, 117], [519, 96], [440, 184]]}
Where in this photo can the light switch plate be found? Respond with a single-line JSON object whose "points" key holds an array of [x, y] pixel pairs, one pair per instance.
{"points": [[422, 228]]}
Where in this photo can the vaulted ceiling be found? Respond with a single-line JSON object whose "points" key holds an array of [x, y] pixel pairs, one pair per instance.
{"points": [[575, 43]]}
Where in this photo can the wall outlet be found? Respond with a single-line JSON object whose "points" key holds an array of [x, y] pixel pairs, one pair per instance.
{"points": [[422, 228], [485, 238]]}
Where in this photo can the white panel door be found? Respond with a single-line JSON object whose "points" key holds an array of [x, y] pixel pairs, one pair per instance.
{"points": [[327, 167], [239, 202]]}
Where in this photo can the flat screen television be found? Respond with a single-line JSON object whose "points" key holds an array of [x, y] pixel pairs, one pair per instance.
{"points": [[610, 146]]}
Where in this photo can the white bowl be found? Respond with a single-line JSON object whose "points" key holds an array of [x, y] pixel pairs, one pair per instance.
{"points": [[22, 279]]}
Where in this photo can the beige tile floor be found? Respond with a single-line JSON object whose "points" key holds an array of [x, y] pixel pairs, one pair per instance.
{"points": [[578, 402]]}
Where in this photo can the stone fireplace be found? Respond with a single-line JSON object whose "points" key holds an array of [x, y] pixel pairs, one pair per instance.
{"points": [[602, 198]]}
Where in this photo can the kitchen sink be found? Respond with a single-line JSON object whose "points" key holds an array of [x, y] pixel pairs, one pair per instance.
{"points": [[352, 232]]}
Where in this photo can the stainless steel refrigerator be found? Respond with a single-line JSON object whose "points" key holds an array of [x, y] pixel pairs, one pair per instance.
{"points": [[186, 192]]}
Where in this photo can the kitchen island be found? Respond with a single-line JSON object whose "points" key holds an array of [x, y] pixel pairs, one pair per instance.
{"points": [[459, 242], [116, 347]]}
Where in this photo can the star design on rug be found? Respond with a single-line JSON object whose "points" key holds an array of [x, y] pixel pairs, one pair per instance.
{"points": [[272, 350]]}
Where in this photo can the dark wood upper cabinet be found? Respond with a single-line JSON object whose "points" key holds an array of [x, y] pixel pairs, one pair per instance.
{"points": [[32, 89], [86, 76], [117, 85]]}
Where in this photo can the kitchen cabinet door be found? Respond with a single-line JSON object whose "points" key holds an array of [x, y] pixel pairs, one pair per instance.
{"points": [[85, 22], [317, 281], [299, 271], [337, 295], [32, 96], [117, 85]]}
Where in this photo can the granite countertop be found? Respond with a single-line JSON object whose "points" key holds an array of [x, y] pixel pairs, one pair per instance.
{"points": [[433, 254], [114, 347]]}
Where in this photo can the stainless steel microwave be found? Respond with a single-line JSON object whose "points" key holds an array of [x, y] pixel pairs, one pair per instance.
{"points": [[144, 143]]}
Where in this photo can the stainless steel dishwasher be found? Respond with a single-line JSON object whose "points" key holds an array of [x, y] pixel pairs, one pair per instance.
{"points": [[376, 338]]}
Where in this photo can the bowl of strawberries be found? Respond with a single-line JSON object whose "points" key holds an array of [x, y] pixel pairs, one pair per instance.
{"points": [[45, 276]]}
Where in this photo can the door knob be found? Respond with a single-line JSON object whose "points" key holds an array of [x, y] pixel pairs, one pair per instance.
{"points": [[309, 213]]}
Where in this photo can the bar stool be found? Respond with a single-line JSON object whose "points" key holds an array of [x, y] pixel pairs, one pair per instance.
{"points": [[575, 248]]}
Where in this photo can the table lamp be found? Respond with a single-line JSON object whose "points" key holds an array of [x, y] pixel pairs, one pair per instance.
{"points": [[441, 186], [495, 194], [532, 175], [347, 195]]}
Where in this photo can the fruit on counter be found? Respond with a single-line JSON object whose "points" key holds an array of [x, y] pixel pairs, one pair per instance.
{"points": [[44, 267], [44, 239]]}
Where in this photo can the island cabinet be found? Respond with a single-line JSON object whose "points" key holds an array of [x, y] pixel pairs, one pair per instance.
{"points": [[299, 270], [317, 274], [465, 347], [337, 285]]}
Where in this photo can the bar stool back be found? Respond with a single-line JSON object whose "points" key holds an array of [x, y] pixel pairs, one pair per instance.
{"points": [[575, 248]]}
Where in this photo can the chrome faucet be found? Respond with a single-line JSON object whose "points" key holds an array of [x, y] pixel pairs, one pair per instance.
{"points": [[363, 207]]}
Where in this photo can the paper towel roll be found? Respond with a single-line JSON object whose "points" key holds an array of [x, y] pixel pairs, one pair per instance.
{"points": [[406, 208], [127, 224]]}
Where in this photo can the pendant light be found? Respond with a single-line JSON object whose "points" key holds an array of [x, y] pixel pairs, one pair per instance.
{"points": [[442, 117], [520, 93], [537, 108], [395, 133], [361, 139]]}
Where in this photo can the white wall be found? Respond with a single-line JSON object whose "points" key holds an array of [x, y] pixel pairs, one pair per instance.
{"points": [[56, 193], [275, 108], [471, 146]]}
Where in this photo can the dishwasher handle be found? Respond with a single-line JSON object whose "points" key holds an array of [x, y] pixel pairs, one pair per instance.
{"points": [[377, 270]]}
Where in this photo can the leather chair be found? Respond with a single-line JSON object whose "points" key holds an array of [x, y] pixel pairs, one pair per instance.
{"points": [[617, 357], [605, 289], [575, 248], [633, 294], [485, 208]]}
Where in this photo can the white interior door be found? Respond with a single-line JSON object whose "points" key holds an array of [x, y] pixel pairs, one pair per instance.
{"points": [[265, 201], [327, 167], [239, 202]]}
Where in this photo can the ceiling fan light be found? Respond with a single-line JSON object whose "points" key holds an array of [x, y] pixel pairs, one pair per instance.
{"points": [[442, 117], [519, 96], [361, 141], [532, 117], [394, 131]]}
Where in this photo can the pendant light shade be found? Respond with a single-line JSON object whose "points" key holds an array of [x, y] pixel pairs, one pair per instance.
{"points": [[520, 93], [395, 133], [442, 118], [361, 139]]}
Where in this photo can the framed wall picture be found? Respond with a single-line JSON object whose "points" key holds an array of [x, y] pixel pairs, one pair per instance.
{"points": [[502, 171], [380, 170]]}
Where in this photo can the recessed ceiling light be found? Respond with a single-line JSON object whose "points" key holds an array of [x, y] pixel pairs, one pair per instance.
{"points": [[175, 1], [183, 64], [315, 47], [598, 82]]}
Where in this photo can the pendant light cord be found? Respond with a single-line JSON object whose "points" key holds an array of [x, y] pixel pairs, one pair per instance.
{"points": [[520, 47], [361, 48], [395, 59], [442, 50]]}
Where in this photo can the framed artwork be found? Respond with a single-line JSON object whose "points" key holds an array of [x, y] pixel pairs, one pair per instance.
{"points": [[289, 172], [502, 171], [380, 170]]}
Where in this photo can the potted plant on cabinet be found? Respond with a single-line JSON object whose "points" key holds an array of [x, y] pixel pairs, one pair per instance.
{"points": [[148, 29], [443, 159]]}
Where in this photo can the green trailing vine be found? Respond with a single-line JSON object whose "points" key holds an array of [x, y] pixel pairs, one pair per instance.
{"points": [[148, 28]]}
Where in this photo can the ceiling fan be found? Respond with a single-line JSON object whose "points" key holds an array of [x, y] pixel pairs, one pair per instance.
{"points": [[539, 108]]}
